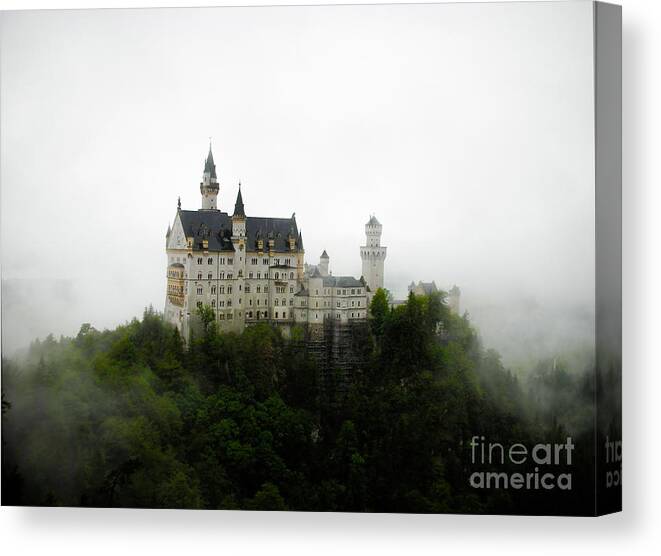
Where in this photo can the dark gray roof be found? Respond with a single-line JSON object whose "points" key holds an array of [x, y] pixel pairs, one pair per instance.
{"points": [[324, 255], [216, 226], [238, 206], [373, 221], [209, 166], [342, 282]]}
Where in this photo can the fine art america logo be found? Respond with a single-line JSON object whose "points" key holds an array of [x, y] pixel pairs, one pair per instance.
{"points": [[540, 465]]}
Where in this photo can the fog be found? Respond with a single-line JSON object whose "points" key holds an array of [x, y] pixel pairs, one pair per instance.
{"points": [[466, 129]]}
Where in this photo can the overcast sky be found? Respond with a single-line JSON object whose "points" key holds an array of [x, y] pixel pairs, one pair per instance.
{"points": [[466, 129]]}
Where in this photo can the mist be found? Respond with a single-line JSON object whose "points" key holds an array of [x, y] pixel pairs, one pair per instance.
{"points": [[467, 130]]}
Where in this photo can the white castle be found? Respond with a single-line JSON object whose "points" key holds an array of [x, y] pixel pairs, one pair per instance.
{"points": [[250, 269]]}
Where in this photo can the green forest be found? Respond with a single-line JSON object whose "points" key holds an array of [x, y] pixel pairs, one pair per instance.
{"points": [[131, 417]]}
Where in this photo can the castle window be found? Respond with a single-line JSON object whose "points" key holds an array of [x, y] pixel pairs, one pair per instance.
{"points": [[229, 275], [199, 260], [344, 292], [230, 316], [213, 289], [221, 316], [265, 261], [259, 289], [291, 301], [316, 292], [221, 303], [222, 289], [240, 273], [199, 276], [287, 262], [284, 314], [253, 260], [229, 302], [291, 289], [199, 290], [276, 302], [221, 260], [247, 288], [250, 302], [210, 276], [199, 304], [209, 260], [276, 262], [338, 316], [221, 275], [277, 275], [338, 292], [258, 301], [259, 276], [276, 314], [229, 289], [284, 302], [249, 314], [353, 303], [250, 275], [213, 303], [239, 301], [338, 303], [359, 303], [266, 314], [291, 275], [359, 291], [353, 291], [230, 260]]}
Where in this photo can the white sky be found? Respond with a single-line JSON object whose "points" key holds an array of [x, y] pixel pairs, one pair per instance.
{"points": [[467, 130]]}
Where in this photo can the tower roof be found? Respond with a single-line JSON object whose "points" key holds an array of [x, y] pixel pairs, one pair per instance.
{"points": [[239, 209], [209, 166], [324, 255], [373, 221], [300, 240]]}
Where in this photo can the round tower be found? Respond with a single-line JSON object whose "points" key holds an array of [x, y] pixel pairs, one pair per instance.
{"points": [[373, 255], [323, 263], [209, 187]]}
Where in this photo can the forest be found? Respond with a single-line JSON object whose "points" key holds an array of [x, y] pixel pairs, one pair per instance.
{"points": [[131, 417]]}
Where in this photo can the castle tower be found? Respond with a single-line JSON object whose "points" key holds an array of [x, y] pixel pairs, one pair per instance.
{"points": [[373, 255], [209, 186], [454, 296], [239, 217], [323, 263]]}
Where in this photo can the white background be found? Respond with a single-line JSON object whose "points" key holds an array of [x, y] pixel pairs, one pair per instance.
{"points": [[635, 531]]}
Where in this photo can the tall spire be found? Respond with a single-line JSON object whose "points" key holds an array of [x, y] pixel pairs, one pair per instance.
{"points": [[209, 166], [209, 187], [239, 209]]}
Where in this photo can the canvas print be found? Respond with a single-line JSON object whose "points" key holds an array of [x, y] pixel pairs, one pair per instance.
{"points": [[312, 258]]}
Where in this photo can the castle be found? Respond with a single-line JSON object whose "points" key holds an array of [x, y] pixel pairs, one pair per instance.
{"points": [[250, 269]]}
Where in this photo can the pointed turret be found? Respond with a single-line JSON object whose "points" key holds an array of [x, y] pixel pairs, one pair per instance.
{"points": [[209, 187], [209, 166], [239, 209], [239, 217], [299, 241]]}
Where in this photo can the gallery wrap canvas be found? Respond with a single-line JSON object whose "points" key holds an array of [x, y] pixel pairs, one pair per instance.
{"points": [[352, 258]]}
